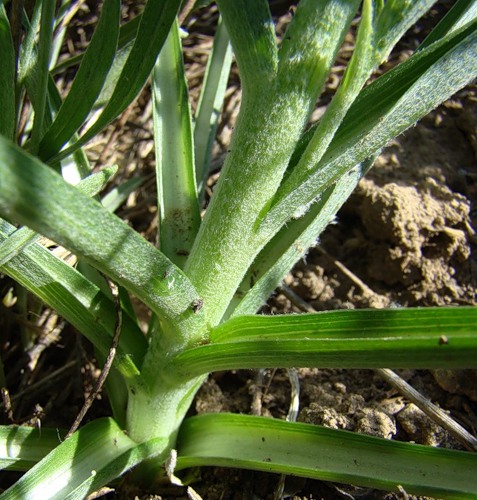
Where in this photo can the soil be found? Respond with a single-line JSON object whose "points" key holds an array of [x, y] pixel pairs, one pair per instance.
{"points": [[406, 237]]}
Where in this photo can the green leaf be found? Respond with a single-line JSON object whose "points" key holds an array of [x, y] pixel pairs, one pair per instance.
{"points": [[290, 244], [7, 78], [34, 195], [41, 73], [179, 216], [119, 194], [23, 236], [28, 55], [394, 19], [91, 458], [22, 447], [462, 12], [155, 24], [317, 452], [127, 34], [78, 300], [87, 84], [394, 338], [210, 103], [358, 71], [76, 167], [383, 110]]}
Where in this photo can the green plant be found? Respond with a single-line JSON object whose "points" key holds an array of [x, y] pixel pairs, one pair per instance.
{"points": [[279, 187]]}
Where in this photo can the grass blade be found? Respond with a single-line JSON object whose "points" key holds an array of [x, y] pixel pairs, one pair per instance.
{"points": [[156, 20], [24, 236], [41, 73], [313, 451], [210, 103], [77, 300], [178, 206], [127, 34], [119, 194], [34, 195], [394, 19], [7, 78], [22, 447], [462, 12], [93, 456], [87, 84], [382, 111], [394, 338]]}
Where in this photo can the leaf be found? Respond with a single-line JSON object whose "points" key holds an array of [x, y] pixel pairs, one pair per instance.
{"points": [[34, 195], [7, 78], [93, 456], [127, 33], [383, 110], [87, 84], [395, 338], [179, 216], [156, 20], [119, 194], [210, 103], [358, 71], [78, 300], [312, 451], [23, 236], [41, 73], [22, 447], [462, 12]]}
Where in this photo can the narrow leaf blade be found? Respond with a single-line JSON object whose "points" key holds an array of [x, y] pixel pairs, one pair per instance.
{"points": [[384, 338], [34, 195], [382, 111], [179, 216], [156, 20], [312, 451], [210, 103], [96, 454], [77, 299], [22, 447], [7, 78], [87, 84]]}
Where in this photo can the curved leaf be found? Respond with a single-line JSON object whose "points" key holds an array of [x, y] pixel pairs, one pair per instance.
{"points": [[34, 195], [397, 338], [22, 447], [87, 84], [77, 300], [93, 456], [382, 111], [313, 451], [155, 24]]}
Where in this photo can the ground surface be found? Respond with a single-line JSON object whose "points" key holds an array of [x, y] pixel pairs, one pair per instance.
{"points": [[405, 238]]}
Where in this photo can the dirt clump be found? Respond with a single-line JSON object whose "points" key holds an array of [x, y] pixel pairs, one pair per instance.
{"points": [[417, 238]]}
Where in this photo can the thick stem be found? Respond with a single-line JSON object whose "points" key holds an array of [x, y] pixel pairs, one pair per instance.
{"points": [[159, 412], [227, 241]]}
